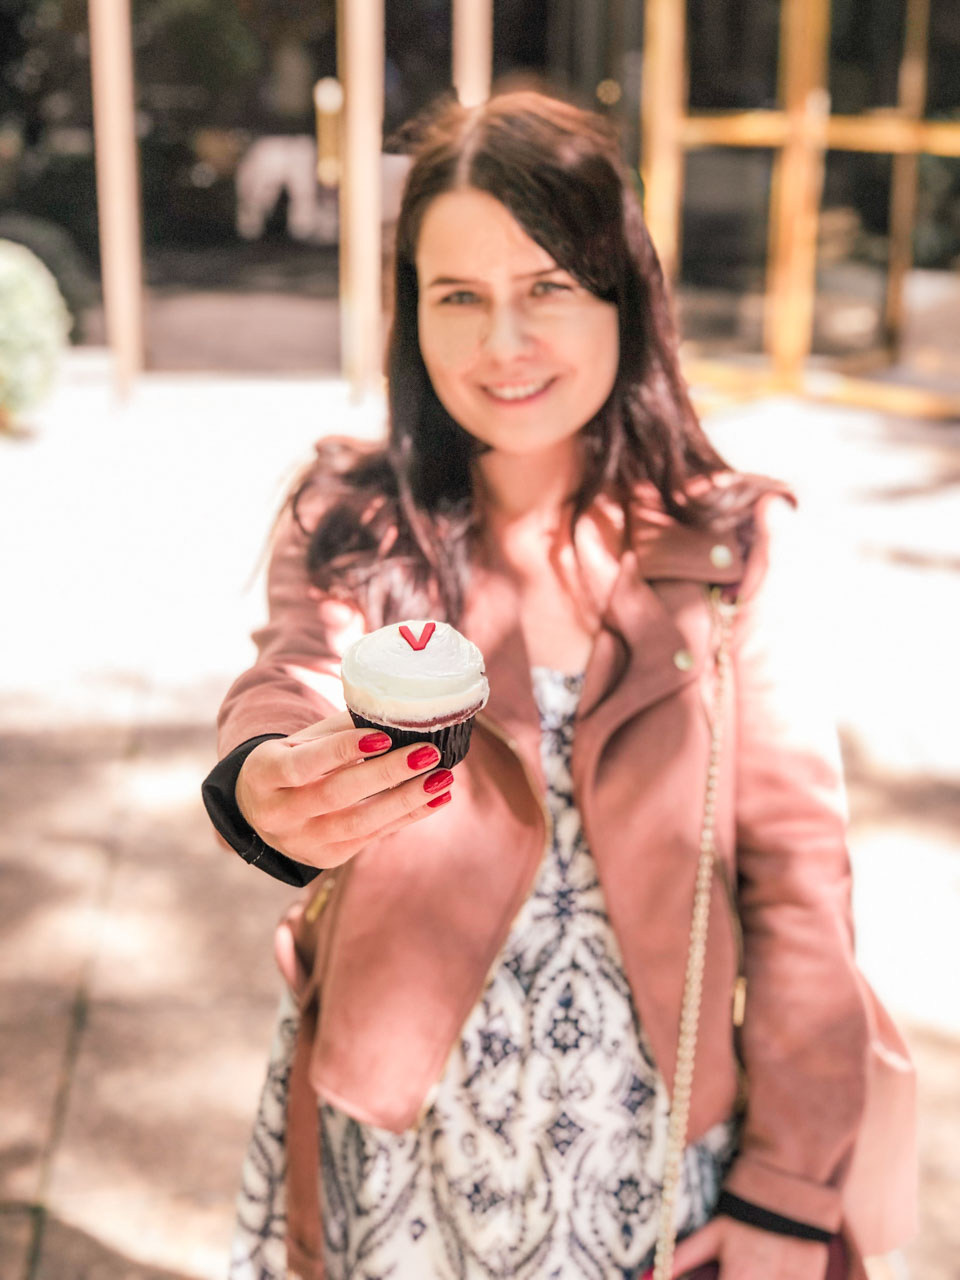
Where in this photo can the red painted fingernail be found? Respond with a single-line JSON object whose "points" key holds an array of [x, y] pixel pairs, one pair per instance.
{"points": [[423, 757], [438, 801], [374, 742], [438, 781]]}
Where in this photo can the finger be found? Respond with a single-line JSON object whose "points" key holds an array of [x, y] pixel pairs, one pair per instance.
{"points": [[298, 764], [416, 815], [368, 818], [702, 1246], [334, 854], [350, 785]]}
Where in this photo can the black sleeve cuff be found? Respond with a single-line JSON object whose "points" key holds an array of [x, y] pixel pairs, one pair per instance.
{"points": [[219, 792], [732, 1206]]}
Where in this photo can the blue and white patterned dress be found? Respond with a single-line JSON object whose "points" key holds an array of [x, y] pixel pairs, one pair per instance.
{"points": [[541, 1155]]}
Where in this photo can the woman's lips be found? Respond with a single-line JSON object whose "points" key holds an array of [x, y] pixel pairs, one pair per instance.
{"points": [[519, 392]]}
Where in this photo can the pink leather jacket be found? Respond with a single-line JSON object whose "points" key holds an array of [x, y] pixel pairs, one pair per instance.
{"points": [[413, 925]]}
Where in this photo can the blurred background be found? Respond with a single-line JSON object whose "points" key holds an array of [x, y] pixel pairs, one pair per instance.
{"points": [[764, 115], [210, 185]]}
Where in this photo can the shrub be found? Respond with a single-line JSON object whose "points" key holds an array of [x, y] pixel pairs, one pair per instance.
{"points": [[34, 323], [57, 250]]}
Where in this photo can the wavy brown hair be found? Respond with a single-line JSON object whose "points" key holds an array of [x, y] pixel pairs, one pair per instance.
{"points": [[398, 521]]}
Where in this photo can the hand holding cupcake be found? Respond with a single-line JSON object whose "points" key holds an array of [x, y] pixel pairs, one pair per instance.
{"points": [[412, 690]]}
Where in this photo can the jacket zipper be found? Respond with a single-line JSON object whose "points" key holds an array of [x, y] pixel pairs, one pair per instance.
{"points": [[719, 607], [315, 906], [740, 985], [510, 743]]}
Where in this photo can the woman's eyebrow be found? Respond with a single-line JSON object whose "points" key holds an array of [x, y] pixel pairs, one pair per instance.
{"points": [[527, 275], [446, 280]]}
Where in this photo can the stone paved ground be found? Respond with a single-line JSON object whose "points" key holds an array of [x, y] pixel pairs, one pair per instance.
{"points": [[137, 984]]}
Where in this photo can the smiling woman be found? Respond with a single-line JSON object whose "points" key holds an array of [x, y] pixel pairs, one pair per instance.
{"points": [[530, 320], [495, 1020]]}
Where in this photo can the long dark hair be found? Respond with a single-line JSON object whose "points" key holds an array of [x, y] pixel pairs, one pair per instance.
{"points": [[395, 533]]}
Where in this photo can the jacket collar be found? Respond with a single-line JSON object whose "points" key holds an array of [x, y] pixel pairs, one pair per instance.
{"points": [[637, 647], [667, 549]]}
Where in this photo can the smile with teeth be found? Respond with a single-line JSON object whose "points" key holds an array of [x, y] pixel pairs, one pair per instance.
{"points": [[519, 392]]}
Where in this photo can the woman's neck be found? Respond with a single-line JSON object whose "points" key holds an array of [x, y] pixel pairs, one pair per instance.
{"points": [[529, 494], [527, 531]]}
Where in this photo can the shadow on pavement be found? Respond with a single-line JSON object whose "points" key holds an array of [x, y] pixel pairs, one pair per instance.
{"points": [[66, 1253], [877, 795]]}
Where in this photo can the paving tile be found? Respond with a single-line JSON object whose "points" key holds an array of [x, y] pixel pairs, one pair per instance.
{"points": [[161, 1104], [193, 931], [58, 783], [907, 943], [49, 891], [35, 1030], [186, 920], [69, 1253], [935, 1252], [16, 1241], [49, 895]]}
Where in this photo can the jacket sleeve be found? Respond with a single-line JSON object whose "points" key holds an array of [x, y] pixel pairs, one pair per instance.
{"points": [[295, 679], [804, 1037], [219, 793]]}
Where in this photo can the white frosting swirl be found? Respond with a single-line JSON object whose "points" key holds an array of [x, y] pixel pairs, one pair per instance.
{"points": [[387, 680]]}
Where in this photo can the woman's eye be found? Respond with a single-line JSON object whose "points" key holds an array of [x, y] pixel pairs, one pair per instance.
{"points": [[543, 288], [459, 298]]}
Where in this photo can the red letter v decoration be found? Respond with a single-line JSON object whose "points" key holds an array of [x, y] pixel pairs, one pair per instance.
{"points": [[428, 629]]}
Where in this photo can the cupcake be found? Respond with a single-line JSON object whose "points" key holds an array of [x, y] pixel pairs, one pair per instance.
{"points": [[419, 681]]}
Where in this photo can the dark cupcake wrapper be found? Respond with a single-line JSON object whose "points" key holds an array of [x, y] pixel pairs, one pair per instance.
{"points": [[452, 741]]}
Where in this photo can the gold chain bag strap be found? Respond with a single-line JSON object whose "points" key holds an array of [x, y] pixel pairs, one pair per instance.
{"points": [[880, 1189], [724, 612]]}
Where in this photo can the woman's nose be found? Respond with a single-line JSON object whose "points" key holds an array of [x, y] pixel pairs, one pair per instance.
{"points": [[506, 331]]}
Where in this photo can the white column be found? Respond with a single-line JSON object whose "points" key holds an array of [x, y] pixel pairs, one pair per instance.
{"points": [[118, 187], [472, 50], [360, 37]]}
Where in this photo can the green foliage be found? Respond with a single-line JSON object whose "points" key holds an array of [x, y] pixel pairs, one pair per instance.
{"points": [[206, 42], [34, 323]]}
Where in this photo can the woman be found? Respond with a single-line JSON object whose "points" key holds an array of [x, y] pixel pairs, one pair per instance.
{"points": [[500, 952]]}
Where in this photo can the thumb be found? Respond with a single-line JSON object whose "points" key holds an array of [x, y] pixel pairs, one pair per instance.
{"points": [[702, 1246]]}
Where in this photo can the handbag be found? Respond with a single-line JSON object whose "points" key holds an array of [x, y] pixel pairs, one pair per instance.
{"points": [[880, 1188]]}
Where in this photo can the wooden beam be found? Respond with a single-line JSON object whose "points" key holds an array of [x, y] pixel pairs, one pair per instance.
{"points": [[801, 134], [714, 381], [884, 132], [797, 185], [730, 378], [664, 97], [472, 50], [118, 186], [890, 132], [360, 34], [903, 194], [735, 129], [895, 398]]}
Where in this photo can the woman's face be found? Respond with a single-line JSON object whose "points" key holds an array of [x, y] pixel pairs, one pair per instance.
{"points": [[519, 353]]}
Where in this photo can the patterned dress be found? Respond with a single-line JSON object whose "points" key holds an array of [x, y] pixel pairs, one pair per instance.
{"points": [[541, 1155]]}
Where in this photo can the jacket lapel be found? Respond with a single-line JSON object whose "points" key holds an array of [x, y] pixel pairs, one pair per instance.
{"points": [[641, 650], [633, 655], [640, 654], [492, 621]]}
